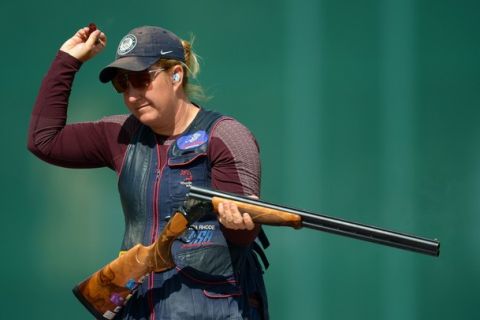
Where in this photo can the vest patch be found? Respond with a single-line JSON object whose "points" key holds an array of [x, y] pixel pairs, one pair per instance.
{"points": [[198, 238], [192, 140]]}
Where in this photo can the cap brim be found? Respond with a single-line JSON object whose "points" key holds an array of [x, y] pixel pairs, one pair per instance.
{"points": [[126, 63]]}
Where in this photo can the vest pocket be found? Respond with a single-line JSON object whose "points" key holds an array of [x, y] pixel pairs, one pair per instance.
{"points": [[205, 252], [183, 172], [213, 286], [212, 263]]}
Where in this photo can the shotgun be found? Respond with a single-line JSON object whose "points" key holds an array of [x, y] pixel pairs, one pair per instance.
{"points": [[270, 214], [107, 290]]}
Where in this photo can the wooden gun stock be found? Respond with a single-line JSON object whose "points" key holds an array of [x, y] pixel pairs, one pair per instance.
{"points": [[107, 290]]}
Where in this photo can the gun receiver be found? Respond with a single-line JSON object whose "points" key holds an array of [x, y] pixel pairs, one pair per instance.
{"points": [[270, 214]]}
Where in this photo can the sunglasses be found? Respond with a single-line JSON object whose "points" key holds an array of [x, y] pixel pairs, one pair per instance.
{"points": [[137, 79]]}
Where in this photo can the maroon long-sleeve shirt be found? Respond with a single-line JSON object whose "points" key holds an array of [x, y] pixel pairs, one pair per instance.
{"points": [[233, 151]]}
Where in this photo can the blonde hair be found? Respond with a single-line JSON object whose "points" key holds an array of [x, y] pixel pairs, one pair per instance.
{"points": [[191, 68]]}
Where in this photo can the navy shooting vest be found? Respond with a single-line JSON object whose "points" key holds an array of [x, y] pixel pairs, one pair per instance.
{"points": [[210, 274]]}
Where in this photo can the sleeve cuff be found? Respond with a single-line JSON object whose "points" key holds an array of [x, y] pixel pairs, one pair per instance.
{"points": [[68, 60]]}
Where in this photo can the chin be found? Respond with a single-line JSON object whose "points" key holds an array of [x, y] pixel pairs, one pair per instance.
{"points": [[147, 118], [148, 121]]}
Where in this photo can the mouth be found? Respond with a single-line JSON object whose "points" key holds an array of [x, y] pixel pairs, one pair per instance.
{"points": [[143, 106]]}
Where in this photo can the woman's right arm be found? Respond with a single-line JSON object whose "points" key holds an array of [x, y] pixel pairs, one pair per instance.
{"points": [[75, 145]]}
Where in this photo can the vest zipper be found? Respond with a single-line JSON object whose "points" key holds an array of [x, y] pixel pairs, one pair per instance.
{"points": [[156, 191], [154, 233]]}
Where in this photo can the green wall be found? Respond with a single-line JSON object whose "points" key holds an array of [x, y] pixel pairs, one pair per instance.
{"points": [[364, 110]]}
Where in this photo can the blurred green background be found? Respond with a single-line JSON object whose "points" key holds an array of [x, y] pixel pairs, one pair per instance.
{"points": [[364, 110]]}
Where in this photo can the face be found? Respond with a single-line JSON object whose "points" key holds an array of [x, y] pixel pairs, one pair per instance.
{"points": [[150, 95]]}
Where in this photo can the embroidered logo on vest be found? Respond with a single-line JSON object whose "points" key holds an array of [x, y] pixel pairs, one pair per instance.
{"points": [[187, 177], [192, 140]]}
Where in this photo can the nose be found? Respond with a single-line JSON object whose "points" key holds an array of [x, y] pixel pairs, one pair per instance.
{"points": [[132, 94]]}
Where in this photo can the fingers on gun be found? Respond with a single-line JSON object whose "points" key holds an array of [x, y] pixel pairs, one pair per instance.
{"points": [[232, 218]]}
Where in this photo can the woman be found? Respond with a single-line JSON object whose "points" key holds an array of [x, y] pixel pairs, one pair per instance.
{"points": [[166, 144]]}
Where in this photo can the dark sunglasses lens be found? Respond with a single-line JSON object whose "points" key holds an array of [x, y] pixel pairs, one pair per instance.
{"points": [[120, 82], [139, 80]]}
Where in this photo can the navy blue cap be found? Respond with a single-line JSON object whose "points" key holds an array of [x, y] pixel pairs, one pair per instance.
{"points": [[141, 48]]}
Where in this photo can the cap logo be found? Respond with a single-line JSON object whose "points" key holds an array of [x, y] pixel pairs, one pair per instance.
{"points": [[127, 44]]}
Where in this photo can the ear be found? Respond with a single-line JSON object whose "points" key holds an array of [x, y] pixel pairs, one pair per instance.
{"points": [[177, 75]]}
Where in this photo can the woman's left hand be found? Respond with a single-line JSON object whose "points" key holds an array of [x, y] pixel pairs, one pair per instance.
{"points": [[232, 218]]}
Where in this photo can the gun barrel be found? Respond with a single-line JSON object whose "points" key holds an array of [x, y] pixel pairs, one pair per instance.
{"points": [[332, 225]]}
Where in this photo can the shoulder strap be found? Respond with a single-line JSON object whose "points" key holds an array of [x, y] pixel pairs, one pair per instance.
{"points": [[197, 134]]}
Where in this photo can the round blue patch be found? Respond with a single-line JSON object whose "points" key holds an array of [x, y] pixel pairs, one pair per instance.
{"points": [[192, 140]]}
